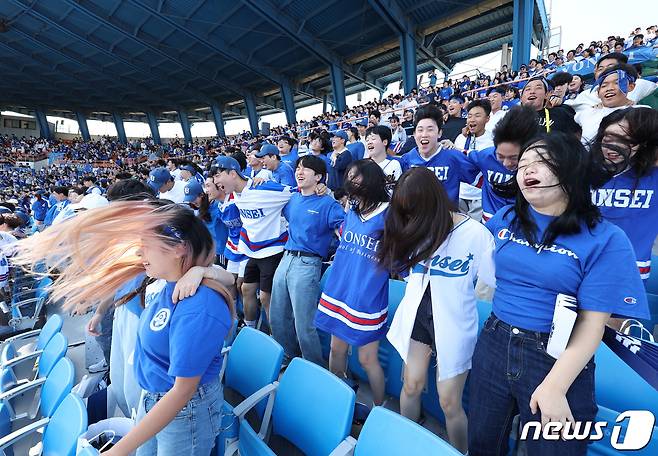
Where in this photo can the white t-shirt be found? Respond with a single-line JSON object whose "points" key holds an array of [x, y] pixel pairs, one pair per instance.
{"points": [[590, 119], [588, 98], [6, 240], [177, 193], [494, 118], [467, 191]]}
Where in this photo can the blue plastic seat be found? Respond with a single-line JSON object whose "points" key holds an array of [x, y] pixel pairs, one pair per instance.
{"points": [[386, 433], [54, 350], [604, 447], [60, 436], [310, 408], [26, 311], [610, 373], [53, 389], [252, 362], [12, 345]]}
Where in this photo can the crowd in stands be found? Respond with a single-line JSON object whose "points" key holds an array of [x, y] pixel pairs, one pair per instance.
{"points": [[536, 183]]}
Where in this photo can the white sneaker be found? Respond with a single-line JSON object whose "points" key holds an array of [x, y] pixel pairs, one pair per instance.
{"points": [[98, 367]]}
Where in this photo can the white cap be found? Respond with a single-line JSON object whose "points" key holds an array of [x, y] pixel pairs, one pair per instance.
{"points": [[90, 201]]}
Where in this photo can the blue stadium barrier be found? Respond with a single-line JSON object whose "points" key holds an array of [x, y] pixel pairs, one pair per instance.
{"points": [[604, 447]]}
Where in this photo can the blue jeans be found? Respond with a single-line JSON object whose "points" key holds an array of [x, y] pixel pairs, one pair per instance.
{"points": [[192, 432], [509, 363], [294, 301]]}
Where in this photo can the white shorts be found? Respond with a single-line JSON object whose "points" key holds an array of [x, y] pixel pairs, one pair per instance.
{"points": [[237, 267]]}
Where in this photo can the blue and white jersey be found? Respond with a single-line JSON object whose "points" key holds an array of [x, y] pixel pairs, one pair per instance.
{"points": [[488, 170], [54, 211], [354, 304], [632, 205], [180, 340], [264, 231], [449, 165], [230, 216], [596, 266]]}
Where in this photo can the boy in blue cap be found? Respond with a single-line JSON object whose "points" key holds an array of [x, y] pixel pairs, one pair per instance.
{"points": [[162, 182], [282, 173], [340, 159]]}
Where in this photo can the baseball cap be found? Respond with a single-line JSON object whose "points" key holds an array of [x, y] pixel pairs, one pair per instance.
{"points": [[267, 149], [158, 177], [341, 134], [229, 163], [90, 201], [23, 216], [362, 122], [189, 168], [192, 191]]}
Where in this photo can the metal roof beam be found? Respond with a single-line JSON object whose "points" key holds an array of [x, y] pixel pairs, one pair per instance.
{"points": [[394, 16], [290, 26]]}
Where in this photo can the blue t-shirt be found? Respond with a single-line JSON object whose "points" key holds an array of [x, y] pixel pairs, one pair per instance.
{"points": [[357, 149], [632, 205], [489, 170], [134, 305], [596, 266], [40, 208], [449, 165], [284, 175], [217, 228], [311, 222], [446, 92], [180, 340], [290, 159]]}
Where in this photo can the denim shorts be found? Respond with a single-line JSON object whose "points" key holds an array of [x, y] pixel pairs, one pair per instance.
{"points": [[509, 363], [193, 430]]}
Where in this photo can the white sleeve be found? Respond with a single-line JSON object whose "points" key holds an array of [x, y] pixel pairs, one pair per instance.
{"points": [[487, 268], [643, 88]]}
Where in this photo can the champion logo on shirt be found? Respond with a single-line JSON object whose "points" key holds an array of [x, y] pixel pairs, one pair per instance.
{"points": [[630, 300], [160, 320], [506, 235]]}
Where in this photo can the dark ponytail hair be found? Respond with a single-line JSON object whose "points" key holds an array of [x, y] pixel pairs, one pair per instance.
{"points": [[419, 220], [568, 160], [370, 191]]}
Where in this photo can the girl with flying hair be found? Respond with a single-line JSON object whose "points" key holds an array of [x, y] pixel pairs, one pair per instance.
{"points": [[551, 246], [627, 147], [353, 307], [443, 252], [177, 352]]}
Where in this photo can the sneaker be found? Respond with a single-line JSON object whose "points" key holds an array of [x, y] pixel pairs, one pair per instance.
{"points": [[100, 366]]}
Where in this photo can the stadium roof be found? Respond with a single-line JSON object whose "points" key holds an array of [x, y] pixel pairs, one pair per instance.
{"points": [[133, 56]]}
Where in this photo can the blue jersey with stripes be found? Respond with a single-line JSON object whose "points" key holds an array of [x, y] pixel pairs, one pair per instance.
{"points": [[354, 304], [264, 231], [631, 203], [489, 171]]}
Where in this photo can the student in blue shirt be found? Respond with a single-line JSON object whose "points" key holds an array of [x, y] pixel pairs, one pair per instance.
{"points": [[282, 173], [627, 143], [353, 307], [496, 166], [177, 353], [450, 166], [312, 222], [551, 241], [60, 194], [39, 208], [285, 145]]}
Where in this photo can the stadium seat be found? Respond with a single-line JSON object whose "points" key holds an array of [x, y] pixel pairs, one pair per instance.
{"points": [[25, 312], [388, 433], [60, 436], [604, 447], [20, 369], [309, 408], [31, 340], [252, 362], [619, 387], [53, 389]]}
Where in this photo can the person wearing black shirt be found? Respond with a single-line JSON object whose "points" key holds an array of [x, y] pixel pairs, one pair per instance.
{"points": [[455, 123], [560, 118]]}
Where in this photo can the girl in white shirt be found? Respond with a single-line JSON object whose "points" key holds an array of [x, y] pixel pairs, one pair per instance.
{"points": [[378, 139]]}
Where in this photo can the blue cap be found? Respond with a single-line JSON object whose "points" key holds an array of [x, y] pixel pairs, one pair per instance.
{"points": [[5, 210], [341, 134], [362, 122], [189, 168], [192, 190], [158, 177], [23, 216], [228, 163], [267, 149]]}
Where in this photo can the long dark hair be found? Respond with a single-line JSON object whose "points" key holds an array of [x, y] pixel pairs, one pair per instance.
{"points": [[371, 191], [642, 131], [568, 160], [419, 220]]}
